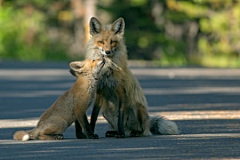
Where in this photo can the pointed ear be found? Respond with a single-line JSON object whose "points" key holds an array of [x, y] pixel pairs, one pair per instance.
{"points": [[118, 26], [95, 26], [76, 66]]}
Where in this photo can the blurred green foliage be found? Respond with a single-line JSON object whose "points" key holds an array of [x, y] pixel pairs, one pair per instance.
{"points": [[168, 32], [176, 33], [24, 32]]}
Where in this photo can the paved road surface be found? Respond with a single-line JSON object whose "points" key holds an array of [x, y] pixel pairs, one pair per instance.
{"points": [[205, 103]]}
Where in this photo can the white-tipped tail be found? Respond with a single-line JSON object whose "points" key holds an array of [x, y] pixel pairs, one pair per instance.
{"points": [[21, 136], [160, 125], [26, 137]]}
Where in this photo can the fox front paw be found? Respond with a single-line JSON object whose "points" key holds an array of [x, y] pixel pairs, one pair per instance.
{"points": [[93, 136], [111, 134], [136, 134], [59, 137], [120, 135]]}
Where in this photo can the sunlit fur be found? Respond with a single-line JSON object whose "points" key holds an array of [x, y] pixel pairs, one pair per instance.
{"points": [[71, 106], [116, 81]]}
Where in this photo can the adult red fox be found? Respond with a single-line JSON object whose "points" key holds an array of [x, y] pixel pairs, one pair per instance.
{"points": [[69, 107], [119, 95]]}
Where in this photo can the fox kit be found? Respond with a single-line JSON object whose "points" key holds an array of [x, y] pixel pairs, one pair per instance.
{"points": [[119, 95], [69, 107]]}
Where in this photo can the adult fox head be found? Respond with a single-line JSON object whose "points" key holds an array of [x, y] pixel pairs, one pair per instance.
{"points": [[108, 39], [87, 68]]}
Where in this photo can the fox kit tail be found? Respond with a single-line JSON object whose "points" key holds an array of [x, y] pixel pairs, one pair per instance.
{"points": [[27, 135], [160, 125], [21, 136]]}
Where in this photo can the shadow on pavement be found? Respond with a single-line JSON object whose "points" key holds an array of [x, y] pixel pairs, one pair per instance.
{"points": [[29, 94]]}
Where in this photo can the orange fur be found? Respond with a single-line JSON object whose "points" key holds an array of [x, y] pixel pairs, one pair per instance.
{"points": [[69, 107], [118, 91]]}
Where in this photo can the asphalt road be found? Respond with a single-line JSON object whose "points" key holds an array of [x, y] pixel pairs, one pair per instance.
{"points": [[205, 103]]}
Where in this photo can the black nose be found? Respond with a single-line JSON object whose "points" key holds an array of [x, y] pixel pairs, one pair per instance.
{"points": [[73, 72], [107, 52]]}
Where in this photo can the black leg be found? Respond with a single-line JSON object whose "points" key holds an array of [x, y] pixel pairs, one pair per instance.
{"points": [[88, 129], [120, 133], [94, 116], [82, 119], [78, 131]]}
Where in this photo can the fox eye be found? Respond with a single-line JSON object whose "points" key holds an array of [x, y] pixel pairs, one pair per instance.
{"points": [[113, 42], [100, 42]]}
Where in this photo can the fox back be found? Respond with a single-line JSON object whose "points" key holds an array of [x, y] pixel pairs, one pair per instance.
{"points": [[69, 107]]}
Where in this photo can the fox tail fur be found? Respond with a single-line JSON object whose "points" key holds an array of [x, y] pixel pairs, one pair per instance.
{"points": [[26, 135], [21, 136], [161, 125]]}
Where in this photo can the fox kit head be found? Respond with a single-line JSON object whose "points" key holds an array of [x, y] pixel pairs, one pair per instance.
{"points": [[107, 39], [87, 68]]}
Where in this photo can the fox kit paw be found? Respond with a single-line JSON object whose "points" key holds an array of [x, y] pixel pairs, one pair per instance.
{"points": [[59, 137], [136, 134], [120, 135], [111, 134], [93, 136]]}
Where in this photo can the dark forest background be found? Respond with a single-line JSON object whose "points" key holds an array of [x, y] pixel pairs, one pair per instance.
{"points": [[165, 32]]}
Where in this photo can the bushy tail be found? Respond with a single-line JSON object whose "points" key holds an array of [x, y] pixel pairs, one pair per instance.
{"points": [[160, 125], [21, 136], [27, 135]]}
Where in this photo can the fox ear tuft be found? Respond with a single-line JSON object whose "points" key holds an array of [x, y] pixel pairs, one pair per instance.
{"points": [[95, 26], [76, 66], [118, 26]]}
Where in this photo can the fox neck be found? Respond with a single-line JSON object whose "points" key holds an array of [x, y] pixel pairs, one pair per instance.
{"points": [[83, 81], [118, 60]]}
